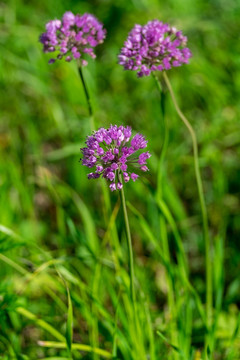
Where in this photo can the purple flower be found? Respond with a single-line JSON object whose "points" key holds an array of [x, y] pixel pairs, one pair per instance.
{"points": [[112, 153], [154, 46], [73, 36]]}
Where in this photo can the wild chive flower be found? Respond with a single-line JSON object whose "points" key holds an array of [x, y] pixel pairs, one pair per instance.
{"points": [[154, 46], [73, 36], [113, 155]]}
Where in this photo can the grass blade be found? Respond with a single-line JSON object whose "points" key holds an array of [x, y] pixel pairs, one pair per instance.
{"points": [[175, 348], [69, 330], [81, 347], [41, 323]]}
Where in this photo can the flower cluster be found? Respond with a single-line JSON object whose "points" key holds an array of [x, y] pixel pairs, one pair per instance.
{"points": [[155, 46], [73, 36], [112, 153]]}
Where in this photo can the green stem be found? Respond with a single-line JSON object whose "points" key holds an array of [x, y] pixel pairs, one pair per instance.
{"points": [[202, 204], [163, 230], [165, 141], [130, 250], [139, 345], [90, 110], [94, 332]]}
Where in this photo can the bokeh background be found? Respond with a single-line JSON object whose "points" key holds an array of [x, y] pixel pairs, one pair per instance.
{"points": [[48, 208]]}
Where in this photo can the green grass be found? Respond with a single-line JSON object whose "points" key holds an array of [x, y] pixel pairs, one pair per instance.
{"points": [[65, 285]]}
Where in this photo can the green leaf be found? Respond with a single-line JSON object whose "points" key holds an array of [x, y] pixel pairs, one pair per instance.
{"points": [[169, 344], [65, 152], [69, 331], [8, 239], [81, 347], [41, 323], [56, 358]]}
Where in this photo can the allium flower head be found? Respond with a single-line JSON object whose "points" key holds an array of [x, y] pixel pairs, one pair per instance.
{"points": [[154, 46], [113, 154], [73, 36]]}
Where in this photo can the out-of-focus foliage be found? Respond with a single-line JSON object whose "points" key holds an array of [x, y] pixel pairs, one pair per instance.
{"points": [[54, 233]]}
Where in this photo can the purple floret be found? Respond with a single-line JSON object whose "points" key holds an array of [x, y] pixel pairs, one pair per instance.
{"points": [[154, 47], [111, 152], [73, 36]]}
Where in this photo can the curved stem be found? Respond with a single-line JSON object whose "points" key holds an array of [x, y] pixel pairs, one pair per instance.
{"points": [[202, 203], [90, 110]]}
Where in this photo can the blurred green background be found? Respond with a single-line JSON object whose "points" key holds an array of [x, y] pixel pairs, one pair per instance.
{"points": [[48, 208]]}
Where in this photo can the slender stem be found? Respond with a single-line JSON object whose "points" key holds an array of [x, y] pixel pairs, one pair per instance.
{"points": [[90, 110], [94, 332], [139, 344], [165, 141], [130, 250], [95, 288], [202, 204], [163, 230], [138, 337]]}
